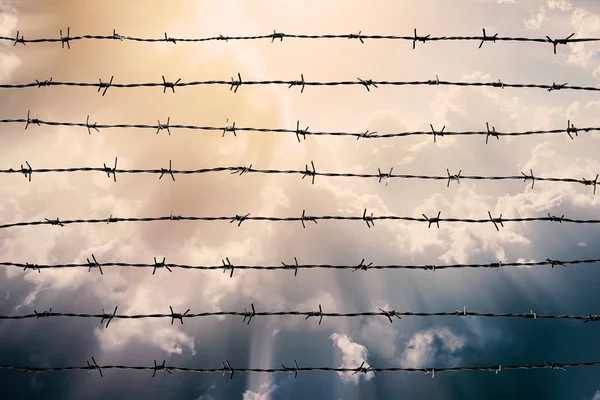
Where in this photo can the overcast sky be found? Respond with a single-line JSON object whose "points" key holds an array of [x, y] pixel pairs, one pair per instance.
{"points": [[268, 342]]}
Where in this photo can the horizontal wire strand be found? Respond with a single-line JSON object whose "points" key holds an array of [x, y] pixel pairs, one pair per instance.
{"points": [[369, 220], [235, 84], [231, 267], [298, 132]]}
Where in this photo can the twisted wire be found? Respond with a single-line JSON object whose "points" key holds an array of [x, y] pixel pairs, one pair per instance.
{"points": [[235, 84], [415, 38], [299, 132], [249, 314], [228, 369], [368, 219], [228, 266]]}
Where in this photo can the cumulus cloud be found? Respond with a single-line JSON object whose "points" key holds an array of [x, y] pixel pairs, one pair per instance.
{"points": [[562, 5], [353, 355], [536, 20], [433, 345], [264, 392]]}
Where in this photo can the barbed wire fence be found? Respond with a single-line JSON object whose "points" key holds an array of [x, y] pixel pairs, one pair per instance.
{"points": [[307, 172], [249, 314], [234, 84], [228, 266], [227, 368], [368, 219], [65, 40], [227, 128]]}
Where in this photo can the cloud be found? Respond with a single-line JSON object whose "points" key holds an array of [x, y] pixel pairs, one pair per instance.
{"points": [[436, 344], [353, 355], [562, 5], [536, 20], [597, 395], [585, 24], [264, 392]]}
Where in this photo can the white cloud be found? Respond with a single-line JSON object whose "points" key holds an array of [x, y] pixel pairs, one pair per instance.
{"points": [[597, 395], [562, 5], [506, 1], [437, 344], [536, 20], [9, 62], [585, 24], [264, 392], [353, 355]]}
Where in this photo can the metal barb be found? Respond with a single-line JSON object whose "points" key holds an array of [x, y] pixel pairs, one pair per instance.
{"points": [[290, 370], [167, 171], [65, 40], [169, 85], [316, 314], [276, 35], [94, 264], [366, 83], [295, 83], [229, 128], [491, 132], [160, 126], [556, 42], [160, 367], [105, 85], [108, 317], [419, 38], [390, 314], [356, 36], [178, 316], [593, 183], [236, 84], [228, 266], [94, 367], [228, 368], [305, 218], [362, 266], [436, 133], [453, 177], [496, 221], [525, 177], [571, 128], [486, 38], [27, 171], [90, 127], [362, 369], [300, 131], [367, 219], [249, 314], [239, 219], [17, 40], [435, 220], [308, 172], [292, 267], [112, 171], [160, 265]]}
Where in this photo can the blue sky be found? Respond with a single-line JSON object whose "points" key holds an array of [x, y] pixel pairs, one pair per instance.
{"points": [[270, 342]]}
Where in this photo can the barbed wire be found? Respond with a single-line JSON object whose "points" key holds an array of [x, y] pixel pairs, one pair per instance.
{"points": [[249, 314], [307, 172], [234, 84], [66, 39], [228, 266], [227, 128], [228, 369], [368, 219]]}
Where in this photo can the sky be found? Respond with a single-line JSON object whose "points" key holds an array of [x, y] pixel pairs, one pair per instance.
{"points": [[268, 342]]}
